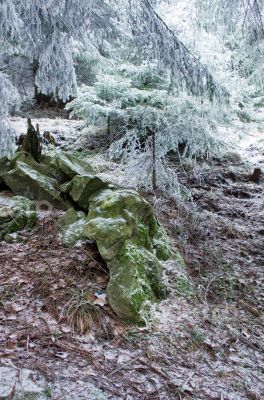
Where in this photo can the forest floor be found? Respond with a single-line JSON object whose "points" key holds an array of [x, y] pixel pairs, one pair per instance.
{"points": [[204, 342]]}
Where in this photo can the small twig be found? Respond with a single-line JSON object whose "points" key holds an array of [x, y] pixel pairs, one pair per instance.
{"points": [[124, 366], [209, 284], [12, 394], [28, 343]]}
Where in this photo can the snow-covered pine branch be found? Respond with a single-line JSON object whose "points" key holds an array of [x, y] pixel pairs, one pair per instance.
{"points": [[44, 30], [158, 42], [137, 100], [11, 98], [241, 25]]}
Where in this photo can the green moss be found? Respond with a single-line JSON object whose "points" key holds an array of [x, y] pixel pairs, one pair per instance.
{"points": [[19, 216], [137, 300], [71, 165], [16, 213], [142, 236], [83, 187], [179, 259], [26, 158], [21, 221], [25, 180], [131, 240], [162, 245], [184, 287], [134, 280]]}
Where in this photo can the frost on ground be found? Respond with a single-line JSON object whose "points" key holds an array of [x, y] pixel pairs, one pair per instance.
{"points": [[65, 132], [205, 341]]}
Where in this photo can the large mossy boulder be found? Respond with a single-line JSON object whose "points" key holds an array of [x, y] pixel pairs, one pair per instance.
{"points": [[16, 213], [117, 215], [123, 224], [71, 225], [72, 165], [29, 160], [126, 230], [26, 177], [25, 180], [42, 181]]}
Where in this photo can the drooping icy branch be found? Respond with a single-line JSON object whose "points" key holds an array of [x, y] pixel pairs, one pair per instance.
{"points": [[159, 42], [49, 25]]}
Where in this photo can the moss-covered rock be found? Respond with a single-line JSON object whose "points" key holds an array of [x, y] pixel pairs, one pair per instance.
{"points": [[49, 160], [16, 213], [66, 165], [71, 165], [72, 227], [135, 280], [83, 187], [160, 241], [115, 216], [25, 180], [42, 181], [129, 239], [123, 224], [29, 160]]}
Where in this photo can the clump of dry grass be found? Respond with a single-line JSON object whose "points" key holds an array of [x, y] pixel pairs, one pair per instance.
{"points": [[80, 313]]}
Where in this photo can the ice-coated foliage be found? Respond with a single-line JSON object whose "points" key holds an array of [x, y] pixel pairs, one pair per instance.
{"points": [[182, 128], [158, 42], [155, 123], [44, 30], [58, 56], [87, 62], [10, 98], [241, 25], [9, 21], [115, 94]]}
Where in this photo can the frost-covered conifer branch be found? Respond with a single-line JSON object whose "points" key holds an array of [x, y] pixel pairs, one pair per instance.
{"points": [[242, 21], [136, 100], [11, 98], [160, 43], [9, 21]]}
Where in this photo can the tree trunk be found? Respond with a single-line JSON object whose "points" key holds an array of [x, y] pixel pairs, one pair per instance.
{"points": [[154, 162], [108, 127]]}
